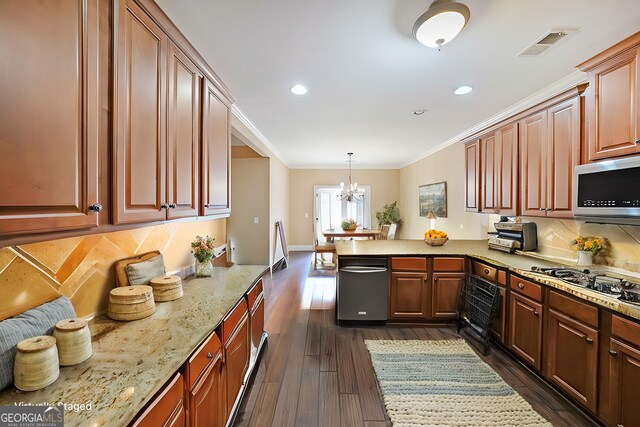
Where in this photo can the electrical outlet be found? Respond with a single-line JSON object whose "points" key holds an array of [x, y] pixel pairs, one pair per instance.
{"points": [[306, 215], [256, 220]]}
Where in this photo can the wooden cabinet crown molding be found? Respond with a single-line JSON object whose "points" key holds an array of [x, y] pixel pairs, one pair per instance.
{"points": [[561, 97], [607, 54]]}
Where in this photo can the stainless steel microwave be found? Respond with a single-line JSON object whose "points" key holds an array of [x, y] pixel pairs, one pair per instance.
{"points": [[608, 189]]}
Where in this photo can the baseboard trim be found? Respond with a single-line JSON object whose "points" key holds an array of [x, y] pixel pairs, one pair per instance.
{"points": [[300, 248]]}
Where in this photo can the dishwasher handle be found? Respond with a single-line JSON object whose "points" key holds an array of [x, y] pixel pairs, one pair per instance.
{"points": [[363, 269]]}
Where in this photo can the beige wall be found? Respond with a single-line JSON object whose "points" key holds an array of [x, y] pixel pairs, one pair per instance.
{"points": [[278, 205], [249, 199], [445, 165], [385, 186], [82, 267]]}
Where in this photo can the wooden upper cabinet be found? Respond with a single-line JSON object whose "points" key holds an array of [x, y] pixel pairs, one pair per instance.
{"points": [[499, 170], [49, 113], [183, 135], [533, 136], [549, 150], [472, 171], [139, 117], [488, 168], [216, 149], [613, 101], [563, 154]]}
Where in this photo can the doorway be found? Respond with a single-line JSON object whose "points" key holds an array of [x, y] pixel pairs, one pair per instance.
{"points": [[329, 210]]}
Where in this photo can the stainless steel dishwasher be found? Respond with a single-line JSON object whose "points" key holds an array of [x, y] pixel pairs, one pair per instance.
{"points": [[362, 290]]}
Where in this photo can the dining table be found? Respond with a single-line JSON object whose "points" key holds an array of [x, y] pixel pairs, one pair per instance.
{"points": [[330, 235]]}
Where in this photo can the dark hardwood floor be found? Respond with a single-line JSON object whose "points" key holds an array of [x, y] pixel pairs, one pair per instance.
{"points": [[314, 373]]}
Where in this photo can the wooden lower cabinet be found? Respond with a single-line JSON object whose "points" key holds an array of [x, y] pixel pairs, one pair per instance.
{"points": [[445, 295], [237, 351], [167, 408], [525, 329], [409, 296], [500, 322], [572, 358], [206, 399], [624, 369], [257, 322]]}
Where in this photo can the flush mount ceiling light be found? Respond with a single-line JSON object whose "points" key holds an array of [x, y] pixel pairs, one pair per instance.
{"points": [[463, 90], [441, 23], [299, 90]]}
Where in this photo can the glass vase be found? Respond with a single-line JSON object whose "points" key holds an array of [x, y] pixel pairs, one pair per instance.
{"points": [[204, 268], [585, 258]]}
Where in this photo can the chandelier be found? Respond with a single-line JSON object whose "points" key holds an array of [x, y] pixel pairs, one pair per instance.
{"points": [[352, 192]]}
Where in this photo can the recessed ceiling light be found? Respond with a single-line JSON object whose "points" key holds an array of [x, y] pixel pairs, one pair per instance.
{"points": [[463, 90], [419, 112], [299, 90]]}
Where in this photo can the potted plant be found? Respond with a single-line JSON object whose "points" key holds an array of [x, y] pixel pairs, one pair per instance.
{"points": [[390, 214], [202, 250]]}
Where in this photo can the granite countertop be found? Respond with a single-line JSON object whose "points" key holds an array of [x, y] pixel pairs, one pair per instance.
{"points": [[131, 361], [519, 263]]}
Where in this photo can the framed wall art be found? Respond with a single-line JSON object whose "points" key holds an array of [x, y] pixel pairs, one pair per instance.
{"points": [[433, 197]]}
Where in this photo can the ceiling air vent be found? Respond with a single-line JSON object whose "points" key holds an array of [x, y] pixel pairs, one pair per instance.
{"points": [[545, 42]]}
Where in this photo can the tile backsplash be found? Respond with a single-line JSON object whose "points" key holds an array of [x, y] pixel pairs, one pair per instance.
{"points": [[555, 236], [82, 267]]}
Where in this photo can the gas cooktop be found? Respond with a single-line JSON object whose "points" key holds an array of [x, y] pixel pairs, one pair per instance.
{"points": [[597, 281]]}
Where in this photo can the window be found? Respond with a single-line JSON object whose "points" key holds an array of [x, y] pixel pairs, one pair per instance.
{"points": [[330, 210]]}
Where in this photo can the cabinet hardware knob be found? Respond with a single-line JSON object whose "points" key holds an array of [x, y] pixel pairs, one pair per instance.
{"points": [[209, 355], [521, 285], [206, 206], [637, 140], [613, 352], [548, 209], [590, 340], [164, 206], [96, 207], [173, 206], [542, 209], [535, 313], [486, 271]]}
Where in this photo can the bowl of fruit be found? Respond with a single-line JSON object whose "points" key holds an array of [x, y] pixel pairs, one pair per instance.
{"points": [[435, 237]]}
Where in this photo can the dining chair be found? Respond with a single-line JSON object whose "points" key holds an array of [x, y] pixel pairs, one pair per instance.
{"points": [[320, 248]]}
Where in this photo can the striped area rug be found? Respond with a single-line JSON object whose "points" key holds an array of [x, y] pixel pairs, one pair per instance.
{"points": [[444, 383]]}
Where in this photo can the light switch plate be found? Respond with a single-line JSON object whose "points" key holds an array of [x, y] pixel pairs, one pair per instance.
{"points": [[256, 220]]}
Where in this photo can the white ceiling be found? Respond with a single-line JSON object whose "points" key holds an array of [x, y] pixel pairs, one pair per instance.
{"points": [[366, 74]]}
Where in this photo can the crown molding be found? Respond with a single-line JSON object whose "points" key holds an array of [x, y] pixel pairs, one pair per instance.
{"points": [[562, 85], [238, 114]]}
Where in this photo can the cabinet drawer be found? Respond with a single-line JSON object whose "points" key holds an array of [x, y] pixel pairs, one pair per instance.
{"points": [[409, 263], [232, 319], [202, 358], [625, 329], [448, 264], [573, 308], [525, 287], [254, 293], [167, 408], [484, 271]]}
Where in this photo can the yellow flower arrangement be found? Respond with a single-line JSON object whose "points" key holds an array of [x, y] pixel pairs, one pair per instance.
{"points": [[588, 243]]}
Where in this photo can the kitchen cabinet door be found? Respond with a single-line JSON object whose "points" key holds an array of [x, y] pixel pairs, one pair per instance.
{"points": [[237, 352], [183, 136], [525, 329], [499, 327], [533, 182], [563, 155], [409, 296], [139, 117], [489, 173], [506, 170], [572, 358], [624, 380], [445, 295], [472, 172], [167, 408], [612, 104], [206, 399], [49, 116], [257, 324], [216, 159]]}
